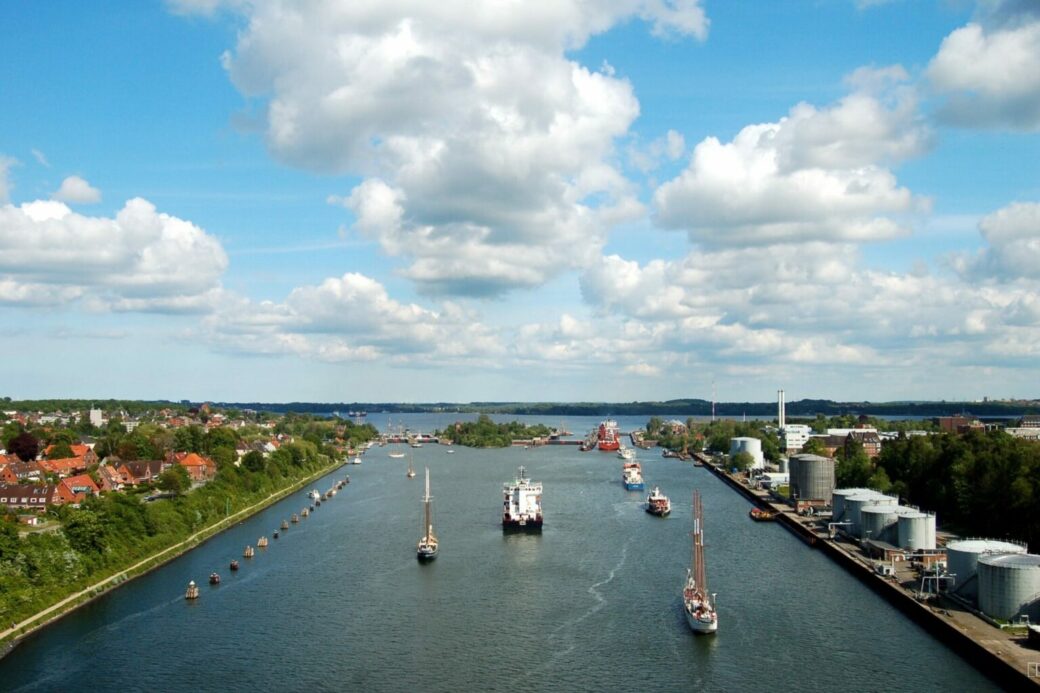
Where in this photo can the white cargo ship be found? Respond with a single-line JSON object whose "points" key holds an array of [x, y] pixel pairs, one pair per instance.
{"points": [[522, 504]]}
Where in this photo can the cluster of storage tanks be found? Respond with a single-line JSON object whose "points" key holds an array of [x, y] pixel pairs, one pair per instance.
{"points": [[999, 576], [871, 514]]}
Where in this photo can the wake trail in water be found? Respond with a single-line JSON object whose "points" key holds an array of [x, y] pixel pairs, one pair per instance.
{"points": [[601, 601]]}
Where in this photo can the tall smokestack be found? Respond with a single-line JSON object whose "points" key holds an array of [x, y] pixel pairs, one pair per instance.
{"points": [[781, 414]]}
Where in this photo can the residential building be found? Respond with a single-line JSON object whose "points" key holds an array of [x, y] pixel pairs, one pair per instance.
{"points": [[31, 496]]}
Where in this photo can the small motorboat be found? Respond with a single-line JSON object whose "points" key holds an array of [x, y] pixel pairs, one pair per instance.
{"points": [[214, 578], [275, 535], [285, 524], [234, 565]]}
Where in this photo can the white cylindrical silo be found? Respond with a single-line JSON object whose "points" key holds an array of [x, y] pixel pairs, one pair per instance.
{"points": [[838, 497], [752, 446], [1009, 585], [878, 522], [853, 505], [962, 558], [916, 531]]}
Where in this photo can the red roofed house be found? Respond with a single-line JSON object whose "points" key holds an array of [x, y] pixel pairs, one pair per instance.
{"points": [[141, 471], [110, 478], [76, 488], [63, 467], [200, 469], [7, 475]]}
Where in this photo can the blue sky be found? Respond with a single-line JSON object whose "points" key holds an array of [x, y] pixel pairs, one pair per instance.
{"points": [[234, 200]]}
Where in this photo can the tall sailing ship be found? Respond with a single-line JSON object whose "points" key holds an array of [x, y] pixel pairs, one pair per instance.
{"points": [[411, 470], [426, 549], [697, 602], [522, 504]]}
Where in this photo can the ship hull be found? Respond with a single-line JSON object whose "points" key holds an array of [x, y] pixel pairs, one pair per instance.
{"points": [[511, 525], [699, 626], [609, 445], [634, 485], [659, 512], [425, 555]]}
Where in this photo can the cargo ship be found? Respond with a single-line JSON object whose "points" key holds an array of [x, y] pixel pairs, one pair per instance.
{"points": [[522, 504], [608, 437], [657, 503], [697, 603], [632, 476]]}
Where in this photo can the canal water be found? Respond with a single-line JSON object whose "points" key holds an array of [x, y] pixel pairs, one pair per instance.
{"points": [[339, 602]]}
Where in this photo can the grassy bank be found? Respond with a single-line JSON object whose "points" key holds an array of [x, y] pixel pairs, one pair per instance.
{"points": [[109, 577]]}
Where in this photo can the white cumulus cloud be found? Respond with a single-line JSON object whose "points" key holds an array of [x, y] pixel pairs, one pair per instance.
{"points": [[495, 150], [139, 260], [75, 189], [818, 174], [989, 70]]}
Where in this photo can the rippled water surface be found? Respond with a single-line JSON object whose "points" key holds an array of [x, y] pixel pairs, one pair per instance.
{"points": [[339, 602]]}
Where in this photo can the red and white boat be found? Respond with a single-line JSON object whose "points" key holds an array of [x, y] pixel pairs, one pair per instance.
{"points": [[608, 436], [657, 503]]}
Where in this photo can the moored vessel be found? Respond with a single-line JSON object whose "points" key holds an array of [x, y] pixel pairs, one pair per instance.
{"points": [[657, 503], [522, 504], [249, 552], [233, 566], [632, 476], [760, 515], [285, 524], [698, 604], [426, 549], [262, 542], [214, 578]]}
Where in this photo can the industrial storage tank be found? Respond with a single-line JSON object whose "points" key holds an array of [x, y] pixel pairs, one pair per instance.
{"points": [[812, 477], [854, 505], [752, 446], [1009, 585], [962, 558], [838, 500], [878, 522], [916, 531]]}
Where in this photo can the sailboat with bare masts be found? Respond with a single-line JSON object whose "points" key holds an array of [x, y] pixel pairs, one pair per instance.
{"points": [[426, 550], [697, 602], [411, 470]]}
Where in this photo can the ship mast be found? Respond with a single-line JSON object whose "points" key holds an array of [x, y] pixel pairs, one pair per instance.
{"points": [[699, 574], [428, 527]]}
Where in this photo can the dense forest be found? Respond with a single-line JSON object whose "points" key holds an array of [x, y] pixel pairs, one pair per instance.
{"points": [[485, 433]]}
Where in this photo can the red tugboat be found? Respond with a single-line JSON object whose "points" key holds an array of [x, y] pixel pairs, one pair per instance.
{"points": [[608, 436]]}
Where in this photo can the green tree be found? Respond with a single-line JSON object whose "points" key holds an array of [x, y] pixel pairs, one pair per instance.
{"points": [[254, 461], [175, 480], [743, 460], [85, 531], [813, 446], [60, 451]]}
